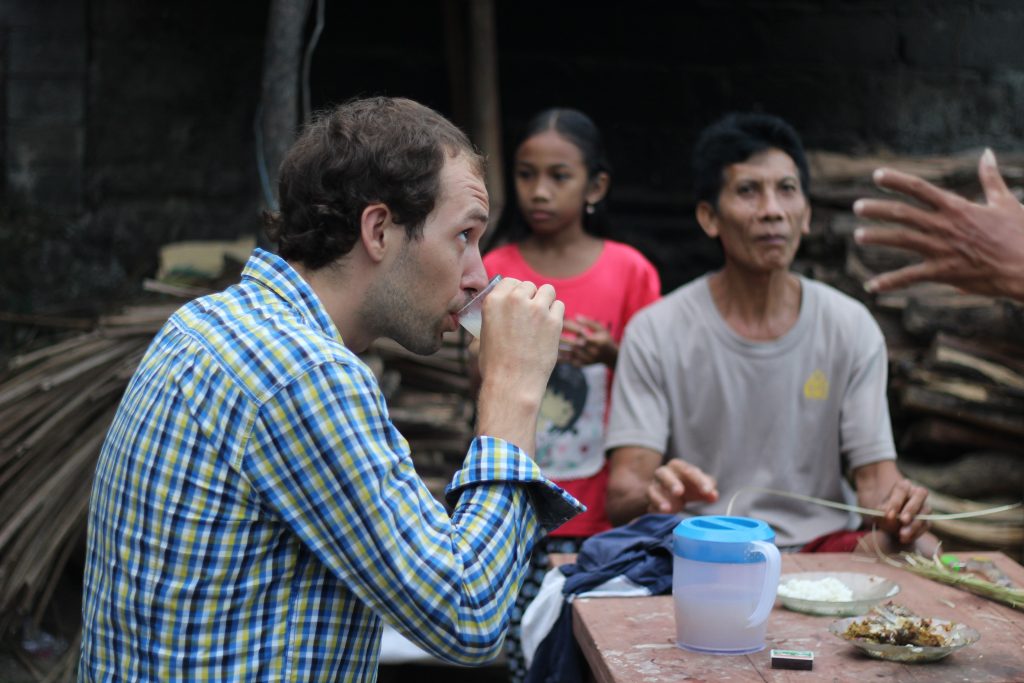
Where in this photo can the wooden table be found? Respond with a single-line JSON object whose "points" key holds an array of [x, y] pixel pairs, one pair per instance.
{"points": [[633, 639]]}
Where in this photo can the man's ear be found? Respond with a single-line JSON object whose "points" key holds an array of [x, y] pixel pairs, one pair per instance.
{"points": [[805, 229], [597, 188], [707, 218], [373, 232]]}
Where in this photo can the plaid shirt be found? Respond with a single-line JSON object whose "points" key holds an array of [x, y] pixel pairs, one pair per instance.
{"points": [[255, 513]]}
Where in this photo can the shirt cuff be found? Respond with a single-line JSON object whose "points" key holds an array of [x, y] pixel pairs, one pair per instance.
{"points": [[492, 460]]}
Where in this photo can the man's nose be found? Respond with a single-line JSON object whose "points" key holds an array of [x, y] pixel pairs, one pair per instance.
{"points": [[771, 207], [474, 277]]}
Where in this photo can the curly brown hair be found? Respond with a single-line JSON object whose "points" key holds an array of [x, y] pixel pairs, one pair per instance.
{"points": [[379, 149]]}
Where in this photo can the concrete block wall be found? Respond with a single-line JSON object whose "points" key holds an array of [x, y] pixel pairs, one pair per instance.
{"points": [[44, 96]]}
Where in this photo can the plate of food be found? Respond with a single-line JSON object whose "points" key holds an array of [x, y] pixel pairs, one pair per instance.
{"points": [[834, 594], [896, 634]]}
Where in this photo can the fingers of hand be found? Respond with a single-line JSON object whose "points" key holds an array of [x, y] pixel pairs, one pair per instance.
{"points": [[661, 500], [996, 191], [694, 482], [504, 288], [905, 502], [914, 504], [912, 186], [545, 294], [573, 327], [915, 529], [903, 238], [556, 311], [669, 480], [890, 211], [589, 325], [531, 299], [908, 275]]}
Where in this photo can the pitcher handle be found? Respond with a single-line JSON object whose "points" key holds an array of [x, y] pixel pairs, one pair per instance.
{"points": [[773, 566]]}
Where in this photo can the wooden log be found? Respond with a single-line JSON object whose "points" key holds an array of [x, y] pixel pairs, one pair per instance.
{"points": [[947, 438], [944, 503], [33, 378], [485, 95], [63, 322], [137, 315], [1002, 530], [990, 535], [1000, 362], [981, 396], [974, 475], [180, 291], [67, 471], [841, 179], [963, 315], [926, 401], [30, 358]]}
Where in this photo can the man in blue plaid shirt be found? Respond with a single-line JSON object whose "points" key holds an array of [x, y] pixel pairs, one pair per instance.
{"points": [[255, 514]]}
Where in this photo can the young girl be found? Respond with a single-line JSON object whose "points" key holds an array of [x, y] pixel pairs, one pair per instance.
{"points": [[554, 233]]}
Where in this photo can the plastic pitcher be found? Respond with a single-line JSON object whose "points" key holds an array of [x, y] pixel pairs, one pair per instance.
{"points": [[725, 574]]}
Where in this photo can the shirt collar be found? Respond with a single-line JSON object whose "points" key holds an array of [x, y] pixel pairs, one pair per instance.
{"points": [[274, 273]]}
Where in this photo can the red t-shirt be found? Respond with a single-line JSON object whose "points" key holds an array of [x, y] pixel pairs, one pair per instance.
{"points": [[570, 433]]}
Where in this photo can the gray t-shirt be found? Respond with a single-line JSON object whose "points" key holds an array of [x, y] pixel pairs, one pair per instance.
{"points": [[790, 414]]}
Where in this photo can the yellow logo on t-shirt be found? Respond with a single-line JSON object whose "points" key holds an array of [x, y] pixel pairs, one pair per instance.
{"points": [[816, 386]]}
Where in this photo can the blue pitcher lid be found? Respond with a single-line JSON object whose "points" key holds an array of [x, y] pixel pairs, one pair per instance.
{"points": [[718, 538]]}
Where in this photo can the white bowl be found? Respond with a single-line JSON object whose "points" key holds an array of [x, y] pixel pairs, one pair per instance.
{"points": [[867, 589]]}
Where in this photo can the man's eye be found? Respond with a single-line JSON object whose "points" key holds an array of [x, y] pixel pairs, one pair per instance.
{"points": [[465, 234], [561, 177], [524, 174]]}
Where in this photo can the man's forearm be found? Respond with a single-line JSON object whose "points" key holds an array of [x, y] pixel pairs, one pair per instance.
{"points": [[508, 413], [632, 472], [874, 482], [623, 510]]}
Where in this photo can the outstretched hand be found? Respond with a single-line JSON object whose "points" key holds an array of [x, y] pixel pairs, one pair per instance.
{"points": [[976, 247]]}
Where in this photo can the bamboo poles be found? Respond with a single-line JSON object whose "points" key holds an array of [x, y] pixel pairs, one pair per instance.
{"points": [[56, 404]]}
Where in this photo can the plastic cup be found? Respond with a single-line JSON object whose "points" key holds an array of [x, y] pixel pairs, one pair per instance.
{"points": [[471, 315]]}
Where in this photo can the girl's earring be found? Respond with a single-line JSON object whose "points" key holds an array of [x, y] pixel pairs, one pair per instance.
{"points": [[590, 209]]}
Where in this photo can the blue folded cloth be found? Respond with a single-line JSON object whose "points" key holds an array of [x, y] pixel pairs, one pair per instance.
{"points": [[641, 551]]}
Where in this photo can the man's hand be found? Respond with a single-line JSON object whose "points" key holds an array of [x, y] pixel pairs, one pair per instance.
{"points": [[518, 348], [677, 483], [976, 247], [901, 508], [587, 342], [880, 486]]}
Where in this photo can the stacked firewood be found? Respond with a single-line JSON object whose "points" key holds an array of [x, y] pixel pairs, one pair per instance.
{"points": [[957, 361], [56, 404]]}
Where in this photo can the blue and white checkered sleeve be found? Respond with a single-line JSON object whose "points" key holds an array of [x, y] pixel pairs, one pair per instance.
{"points": [[494, 460]]}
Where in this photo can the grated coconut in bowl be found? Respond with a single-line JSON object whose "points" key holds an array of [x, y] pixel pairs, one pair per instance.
{"points": [[824, 590]]}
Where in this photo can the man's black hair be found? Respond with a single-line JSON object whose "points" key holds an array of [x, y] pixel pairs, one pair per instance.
{"points": [[733, 139]]}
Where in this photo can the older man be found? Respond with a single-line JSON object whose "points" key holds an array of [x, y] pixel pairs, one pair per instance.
{"points": [[753, 379]]}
